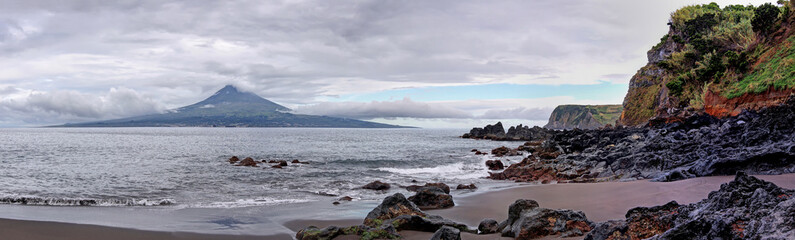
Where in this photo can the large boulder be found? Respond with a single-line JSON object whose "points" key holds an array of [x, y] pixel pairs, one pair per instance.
{"points": [[432, 198], [376, 185], [528, 221], [415, 188], [446, 233], [488, 226], [401, 213]]}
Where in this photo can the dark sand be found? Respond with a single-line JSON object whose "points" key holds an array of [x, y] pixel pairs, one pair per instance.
{"points": [[599, 201], [37, 230]]}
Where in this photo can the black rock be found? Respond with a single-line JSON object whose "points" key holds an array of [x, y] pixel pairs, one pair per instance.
{"points": [[488, 226], [746, 208], [446, 233], [432, 198], [377, 185]]}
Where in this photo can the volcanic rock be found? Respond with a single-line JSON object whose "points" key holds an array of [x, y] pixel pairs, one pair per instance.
{"points": [[432, 198], [745, 208], [488, 226], [415, 188], [447, 233], [234, 159], [377, 185], [494, 165], [248, 162], [463, 186], [527, 221]]}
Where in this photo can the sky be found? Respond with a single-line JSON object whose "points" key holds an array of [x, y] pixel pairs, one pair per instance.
{"points": [[433, 64]]}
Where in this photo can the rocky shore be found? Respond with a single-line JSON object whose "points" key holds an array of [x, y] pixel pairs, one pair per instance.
{"points": [[760, 142], [744, 208]]}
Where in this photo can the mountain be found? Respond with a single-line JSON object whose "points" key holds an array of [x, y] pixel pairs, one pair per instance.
{"points": [[583, 116], [718, 61], [230, 107]]}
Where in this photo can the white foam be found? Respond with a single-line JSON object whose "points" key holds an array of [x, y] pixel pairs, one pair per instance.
{"points": [[264, 201], [451, 171]]}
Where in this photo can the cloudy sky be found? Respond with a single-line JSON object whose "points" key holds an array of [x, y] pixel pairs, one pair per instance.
{"points": [[421, 63]]}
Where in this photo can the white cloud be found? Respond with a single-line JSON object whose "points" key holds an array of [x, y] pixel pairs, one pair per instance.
{"points": [[34, 107]]}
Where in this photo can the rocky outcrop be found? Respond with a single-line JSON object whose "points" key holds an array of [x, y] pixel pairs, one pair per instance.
{"points": [[526, 220], [395, 213], [495, 131], [583, 116], [377, 185], [432, 198], [494, 165], [517, 133], [695, 69], [755, 142], [746, 208]]}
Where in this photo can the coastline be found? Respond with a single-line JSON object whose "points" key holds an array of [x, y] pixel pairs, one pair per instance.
{"points": [[599, 201]]}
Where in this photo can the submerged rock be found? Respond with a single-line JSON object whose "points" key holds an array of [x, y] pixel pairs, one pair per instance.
{"points": [[248, 162], [745, 208], [377, 185], [464, 186]]}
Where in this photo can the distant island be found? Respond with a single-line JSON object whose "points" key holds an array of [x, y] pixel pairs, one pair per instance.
{"points": [[230, 107]]}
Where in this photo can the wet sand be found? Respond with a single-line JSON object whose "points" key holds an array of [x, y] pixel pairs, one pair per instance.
{"points": [[599, 201], [38, 230]]}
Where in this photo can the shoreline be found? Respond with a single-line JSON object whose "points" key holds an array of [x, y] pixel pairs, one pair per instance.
{"points": [[599, 201]]}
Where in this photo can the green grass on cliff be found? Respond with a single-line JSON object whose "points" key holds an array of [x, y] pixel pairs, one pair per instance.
{"points": [[776, 69]]}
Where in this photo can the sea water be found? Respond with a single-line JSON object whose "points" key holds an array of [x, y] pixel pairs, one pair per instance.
{"points": [[184, 170]]}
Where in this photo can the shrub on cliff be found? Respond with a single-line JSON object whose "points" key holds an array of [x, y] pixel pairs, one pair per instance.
{"points": [[764, 18]]}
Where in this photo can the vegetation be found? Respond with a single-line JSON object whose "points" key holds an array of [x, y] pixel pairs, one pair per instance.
{"points": [[727, 50]]}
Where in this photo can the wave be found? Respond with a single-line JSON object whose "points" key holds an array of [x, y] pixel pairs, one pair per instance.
{"points": [[46, 201], [265, 201], [455, 171]]}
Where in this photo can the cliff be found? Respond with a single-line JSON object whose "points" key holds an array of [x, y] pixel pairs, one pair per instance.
{"points": [[715, 60], [583, 116]]}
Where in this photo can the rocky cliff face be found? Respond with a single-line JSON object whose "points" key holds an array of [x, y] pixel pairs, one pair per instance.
{"points": [[715, 60], [583, 116]]}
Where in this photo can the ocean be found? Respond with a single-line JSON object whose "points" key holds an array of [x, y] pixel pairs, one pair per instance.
{"points": [[46, 173]]}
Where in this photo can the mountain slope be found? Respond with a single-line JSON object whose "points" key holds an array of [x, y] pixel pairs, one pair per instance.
{"points": [[715, 60], [583, 116], [230, 107]]}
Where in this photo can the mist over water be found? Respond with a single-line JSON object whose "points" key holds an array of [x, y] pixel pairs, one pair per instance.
{"points": [[188, 166]]}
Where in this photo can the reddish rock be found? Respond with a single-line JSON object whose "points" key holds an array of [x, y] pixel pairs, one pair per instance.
{"points": [[296, 161], [248, 162], [345, 198], [234, 159], [273, 161], [276, 166], [494, 165]]}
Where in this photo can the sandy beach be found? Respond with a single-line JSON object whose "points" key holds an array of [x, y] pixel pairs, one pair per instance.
{"points": [[599, 201]]}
